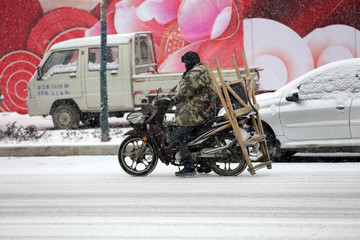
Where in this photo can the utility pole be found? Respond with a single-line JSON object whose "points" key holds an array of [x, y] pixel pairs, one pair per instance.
{"points": [[104, 123]]}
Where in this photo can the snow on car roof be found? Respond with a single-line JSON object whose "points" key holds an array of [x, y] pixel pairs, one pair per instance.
{"points": [[94, 41], [352, 63]]}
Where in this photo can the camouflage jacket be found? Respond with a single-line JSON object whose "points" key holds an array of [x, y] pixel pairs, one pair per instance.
{"points": [[196, 97]]}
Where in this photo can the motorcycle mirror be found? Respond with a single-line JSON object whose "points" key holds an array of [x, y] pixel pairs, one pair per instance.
{"points": [[174, 88], [158, 91]]}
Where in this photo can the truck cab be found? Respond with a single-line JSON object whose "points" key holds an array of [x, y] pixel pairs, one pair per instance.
{"points": [[67, 82]]}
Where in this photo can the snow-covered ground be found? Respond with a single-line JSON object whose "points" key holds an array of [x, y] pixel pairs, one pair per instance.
{"points": [[118, 126], [82, 136], [92, 198]]}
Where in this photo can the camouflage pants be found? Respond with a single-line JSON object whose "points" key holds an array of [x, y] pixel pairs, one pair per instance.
{"points": [[178, 140]]}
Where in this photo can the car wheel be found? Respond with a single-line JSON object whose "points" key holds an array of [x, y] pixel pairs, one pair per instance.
{"points": [[286, 155], [272, 144], [276, 154], [66, 117]]}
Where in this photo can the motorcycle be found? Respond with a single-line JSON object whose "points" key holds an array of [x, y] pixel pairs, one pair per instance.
{"points": [[213, 145]]}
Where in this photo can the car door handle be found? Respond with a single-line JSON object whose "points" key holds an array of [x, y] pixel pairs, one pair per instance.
{"points": [[340, 107], [114, 73], [72, 75]]}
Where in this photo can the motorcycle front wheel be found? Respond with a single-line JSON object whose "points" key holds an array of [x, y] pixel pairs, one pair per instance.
{"points": [[136, 156], [231, 161]]}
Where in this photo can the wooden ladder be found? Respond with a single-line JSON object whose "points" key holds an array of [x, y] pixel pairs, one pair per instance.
{"points": [[248, 106]]}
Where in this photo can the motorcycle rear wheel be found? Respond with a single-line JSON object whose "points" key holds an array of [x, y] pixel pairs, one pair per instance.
{"points": [[136, 156], [232, 162]]}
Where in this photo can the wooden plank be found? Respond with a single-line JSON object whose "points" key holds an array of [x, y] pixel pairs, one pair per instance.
{"points": [[216, 86], [237, 81], [255, 139], [232, 118], [238, 73], [256, 122], [262, 165], [248, 76], [231, 114], [246, 110], [242, 111]]}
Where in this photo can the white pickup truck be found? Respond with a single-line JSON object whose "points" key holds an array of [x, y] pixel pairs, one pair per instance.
{"points": [[67, 82]]}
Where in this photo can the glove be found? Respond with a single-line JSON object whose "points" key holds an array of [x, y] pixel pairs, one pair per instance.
{"points": [[165, 101], [173, 99]]}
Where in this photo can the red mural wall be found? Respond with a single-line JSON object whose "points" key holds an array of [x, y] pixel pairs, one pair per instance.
{"points": [[286, 38]]}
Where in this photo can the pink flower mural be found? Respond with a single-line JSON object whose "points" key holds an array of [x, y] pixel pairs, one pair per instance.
{"points": [[333, 43], [28, 35], [178, 26], [206, 28], [16, 69], [204, 20], [286, 38], [283, 56]]}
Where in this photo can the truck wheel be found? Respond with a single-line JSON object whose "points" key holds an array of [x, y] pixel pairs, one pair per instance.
{"points": [[66, 117]]}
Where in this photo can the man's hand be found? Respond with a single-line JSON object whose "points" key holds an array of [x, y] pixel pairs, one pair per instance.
{"points": [[167, 99], [163, 101]]}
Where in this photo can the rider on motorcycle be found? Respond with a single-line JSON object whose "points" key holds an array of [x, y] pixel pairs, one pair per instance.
{"points": [[197, 102]]}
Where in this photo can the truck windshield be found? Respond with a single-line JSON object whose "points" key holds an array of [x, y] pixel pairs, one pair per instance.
{"points": [[60, 62]]}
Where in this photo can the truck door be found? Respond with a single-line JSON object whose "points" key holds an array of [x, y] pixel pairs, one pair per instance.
{"points": [[60, 78], [118, 89]]}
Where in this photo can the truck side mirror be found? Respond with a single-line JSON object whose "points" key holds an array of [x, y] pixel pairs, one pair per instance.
{"points": [[39, 73], [294, 97]]}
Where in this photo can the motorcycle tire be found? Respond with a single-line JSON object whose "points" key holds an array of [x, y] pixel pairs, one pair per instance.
{"points": [[136, 156], [232, 162]]}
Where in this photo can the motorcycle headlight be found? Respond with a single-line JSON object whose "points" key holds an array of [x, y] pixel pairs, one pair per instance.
{"points": [[136, 118]]}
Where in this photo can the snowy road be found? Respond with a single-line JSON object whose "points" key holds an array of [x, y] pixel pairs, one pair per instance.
{"points": [[92, 198]]}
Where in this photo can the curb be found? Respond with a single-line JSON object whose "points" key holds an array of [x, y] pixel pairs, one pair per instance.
{"points": [[59, 150]]}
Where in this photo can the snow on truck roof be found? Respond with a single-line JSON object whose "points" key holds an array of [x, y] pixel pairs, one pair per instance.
{"points": [[95, 41]]}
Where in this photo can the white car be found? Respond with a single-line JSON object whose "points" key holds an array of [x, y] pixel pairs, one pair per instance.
{"points": [[316, 112]]}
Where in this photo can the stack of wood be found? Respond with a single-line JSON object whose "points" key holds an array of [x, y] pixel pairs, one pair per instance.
{"points": [[248, 103]]}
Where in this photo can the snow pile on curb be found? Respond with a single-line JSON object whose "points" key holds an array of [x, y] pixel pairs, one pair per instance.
{"points": [[43, 132]]}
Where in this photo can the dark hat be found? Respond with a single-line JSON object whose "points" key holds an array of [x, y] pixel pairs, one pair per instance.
{"points": [[190, 59]]}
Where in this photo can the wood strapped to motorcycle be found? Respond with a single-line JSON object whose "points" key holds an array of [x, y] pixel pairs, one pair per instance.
{"points": [[238, 98]]}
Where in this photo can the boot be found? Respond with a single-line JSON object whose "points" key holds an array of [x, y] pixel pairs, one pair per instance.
{"points": [[186, 172]]}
